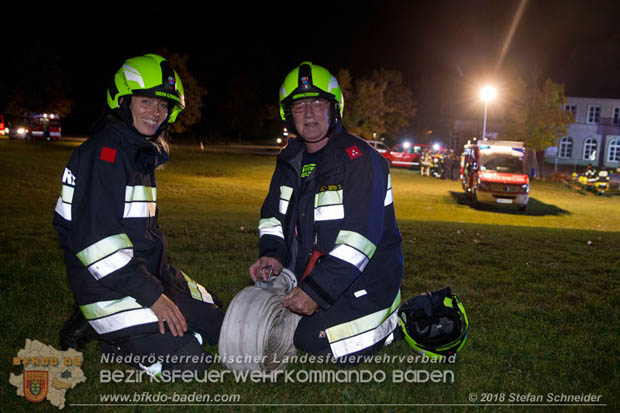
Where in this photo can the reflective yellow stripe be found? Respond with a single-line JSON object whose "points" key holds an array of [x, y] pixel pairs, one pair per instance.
{"points": [[286, 192], [362, 324], [140, 193], [270, 226], [106, 308], [67, 194], [328, 198], [357, 241], [103, 248], [197, 291]]}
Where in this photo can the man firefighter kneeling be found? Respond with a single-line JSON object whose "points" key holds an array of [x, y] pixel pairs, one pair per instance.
{"points": [[331, 196]]}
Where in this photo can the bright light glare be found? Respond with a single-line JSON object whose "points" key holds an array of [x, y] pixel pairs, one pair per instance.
{"points": [[488, 93], [279, 140], [436, 147], [406, 145]]}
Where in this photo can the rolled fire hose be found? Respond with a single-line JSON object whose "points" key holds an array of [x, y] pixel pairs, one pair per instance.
{"points": [[257, 332]]}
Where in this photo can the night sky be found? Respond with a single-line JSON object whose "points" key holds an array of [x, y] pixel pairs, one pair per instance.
{"points": [[451, 47]]}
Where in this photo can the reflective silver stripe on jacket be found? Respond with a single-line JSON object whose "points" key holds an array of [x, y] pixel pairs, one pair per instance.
{"points": [[107, 255], [270, 226], [356, 335], [389, 198], [353, 248], [285, 196], [63, 205], [140, 201], [108, 316], [328, 205]]}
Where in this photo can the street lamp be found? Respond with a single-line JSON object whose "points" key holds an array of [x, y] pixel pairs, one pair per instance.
{"points": [[487, 93]]}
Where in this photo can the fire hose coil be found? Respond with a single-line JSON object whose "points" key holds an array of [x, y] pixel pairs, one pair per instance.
{"points": [[257, 332]]}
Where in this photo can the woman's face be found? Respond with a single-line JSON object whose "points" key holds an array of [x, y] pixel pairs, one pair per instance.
{"points": [[148, 113]]}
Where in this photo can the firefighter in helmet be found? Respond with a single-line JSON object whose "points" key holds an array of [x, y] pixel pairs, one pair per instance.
{"points": [[329, 218], [127, 294]]}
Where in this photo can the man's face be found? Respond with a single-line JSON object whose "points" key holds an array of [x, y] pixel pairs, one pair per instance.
{"points": [[148, 113], [311, 118]]}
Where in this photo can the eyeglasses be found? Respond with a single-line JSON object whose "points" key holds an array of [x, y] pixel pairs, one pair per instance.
{"points": [[316, 105]]}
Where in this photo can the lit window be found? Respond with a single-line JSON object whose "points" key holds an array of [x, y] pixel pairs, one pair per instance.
{"points": [[589, 149], [594, 114], [614, 151], [566, 147]]}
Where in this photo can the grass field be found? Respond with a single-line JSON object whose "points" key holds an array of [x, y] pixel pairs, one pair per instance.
{"points": [[541, 288]]}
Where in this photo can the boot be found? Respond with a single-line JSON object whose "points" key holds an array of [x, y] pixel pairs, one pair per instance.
{"points": [[76, 333]]}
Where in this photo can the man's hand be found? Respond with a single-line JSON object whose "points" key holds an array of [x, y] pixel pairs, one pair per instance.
{"points": [[261, 268], [166, 310], [299, 302]]}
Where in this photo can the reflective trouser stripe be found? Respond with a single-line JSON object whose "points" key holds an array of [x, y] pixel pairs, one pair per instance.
{"points": [[123, 320], [353, 248], [285, 196], [197, 291], [356, 335], [108, 316], [139, 209], [270, 226], [107, 255]]}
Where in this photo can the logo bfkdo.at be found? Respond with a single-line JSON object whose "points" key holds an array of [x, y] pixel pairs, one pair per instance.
{"points": [[35, 385]]}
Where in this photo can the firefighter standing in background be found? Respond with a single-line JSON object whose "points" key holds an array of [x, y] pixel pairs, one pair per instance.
{"points": [[331, 196], [426, 163], [106, 219]]}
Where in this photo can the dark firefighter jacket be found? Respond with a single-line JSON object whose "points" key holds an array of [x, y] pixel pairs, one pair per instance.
{"points": [[344, 210], [106, 219]]}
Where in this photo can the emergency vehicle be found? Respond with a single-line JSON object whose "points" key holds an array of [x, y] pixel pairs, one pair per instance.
{"points": [[1, 124], [494, 172], [36, 126], [406, 154]]}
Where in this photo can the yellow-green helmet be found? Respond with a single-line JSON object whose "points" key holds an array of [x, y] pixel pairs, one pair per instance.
{"points": [[306, 81], [148, 75], [434, 324]]}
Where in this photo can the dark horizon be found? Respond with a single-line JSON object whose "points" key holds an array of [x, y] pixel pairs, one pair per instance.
{"points": [[437, 47]]}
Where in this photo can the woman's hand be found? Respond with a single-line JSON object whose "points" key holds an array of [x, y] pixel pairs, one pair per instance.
{"points": [[166, 310]]}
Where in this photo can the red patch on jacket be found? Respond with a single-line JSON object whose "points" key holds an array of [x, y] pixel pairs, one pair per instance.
{"points": [[108, 154], [354, 152]]}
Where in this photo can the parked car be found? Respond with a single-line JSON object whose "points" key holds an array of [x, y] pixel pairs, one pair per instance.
{"points": [[406, 154], [379, 146]]}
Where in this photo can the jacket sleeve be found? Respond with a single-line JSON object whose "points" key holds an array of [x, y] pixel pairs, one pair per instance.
{"points": [[364, 195], [273, 212], [98, 237]]}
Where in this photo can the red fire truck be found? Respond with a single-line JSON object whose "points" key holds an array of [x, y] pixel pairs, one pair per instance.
{"points": [[494, 172], [36, 126]]}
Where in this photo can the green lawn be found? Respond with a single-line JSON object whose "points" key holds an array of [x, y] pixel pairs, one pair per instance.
{"points": [[541, 288]]}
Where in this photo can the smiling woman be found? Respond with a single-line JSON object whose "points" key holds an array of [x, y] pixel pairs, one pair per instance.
{"points": [[106, 217], [148, 113]]}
